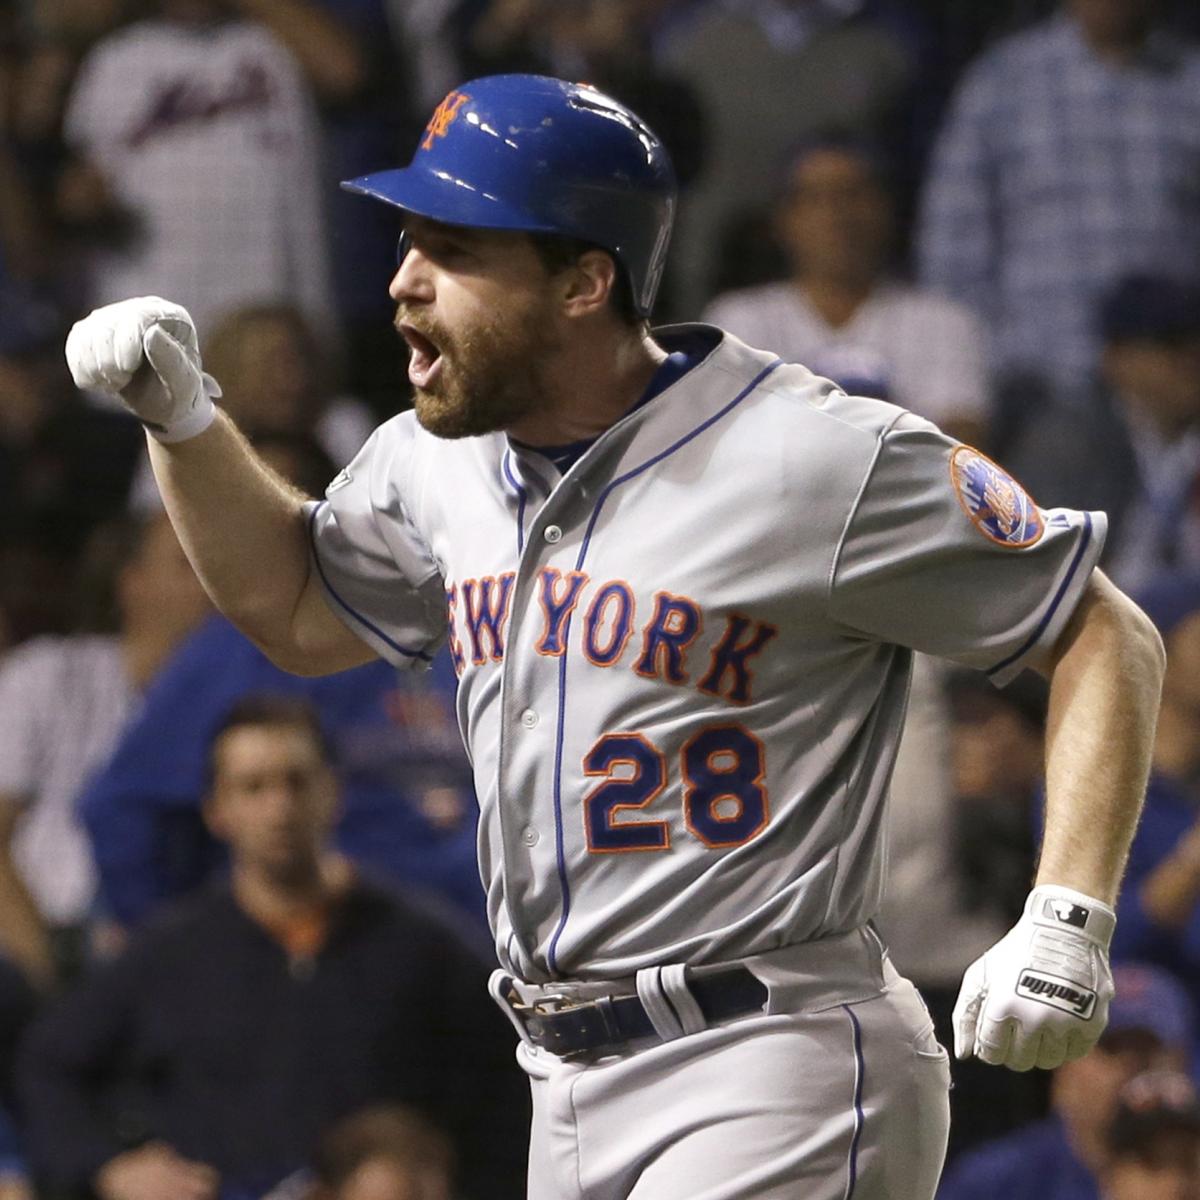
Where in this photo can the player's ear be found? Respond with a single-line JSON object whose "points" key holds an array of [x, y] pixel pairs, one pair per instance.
{"points": [[588, 283]]}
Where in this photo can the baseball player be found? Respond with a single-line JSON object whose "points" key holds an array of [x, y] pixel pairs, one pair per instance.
{"points": [[681, 582]]}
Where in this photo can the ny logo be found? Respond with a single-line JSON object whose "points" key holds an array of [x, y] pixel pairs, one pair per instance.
{"points": [[443, 117]]}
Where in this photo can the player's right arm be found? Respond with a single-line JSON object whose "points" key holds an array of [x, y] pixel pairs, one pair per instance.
{"points": [[244, 530], [242, 526]]}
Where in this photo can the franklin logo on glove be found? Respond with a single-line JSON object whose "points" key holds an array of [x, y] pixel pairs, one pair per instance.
{"points": [[1057, 993]]}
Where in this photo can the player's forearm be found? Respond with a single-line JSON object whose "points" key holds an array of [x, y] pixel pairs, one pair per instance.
{"points": [[1104, 696], [241, 526]]}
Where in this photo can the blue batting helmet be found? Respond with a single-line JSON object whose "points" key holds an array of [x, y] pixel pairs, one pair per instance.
{"points": [[542, 155]]}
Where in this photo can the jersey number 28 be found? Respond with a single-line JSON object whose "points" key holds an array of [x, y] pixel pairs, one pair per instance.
{"points": [[724, 800]]}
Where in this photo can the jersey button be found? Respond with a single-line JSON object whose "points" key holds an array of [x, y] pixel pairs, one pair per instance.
{"points": [[530, 836], [552, 534], [529, 718]]}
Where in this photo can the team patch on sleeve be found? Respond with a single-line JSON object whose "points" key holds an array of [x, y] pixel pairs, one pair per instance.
{"points": [[998, 506]]}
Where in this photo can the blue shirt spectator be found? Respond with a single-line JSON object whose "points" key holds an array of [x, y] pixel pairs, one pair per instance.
{"points": [[1065, 163], [242, 1022], [408, 805], [1158, 913], [1167, 815], [1036, 1161]]}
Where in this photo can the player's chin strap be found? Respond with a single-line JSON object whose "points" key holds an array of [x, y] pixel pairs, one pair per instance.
{"points": [[668, 1001]]}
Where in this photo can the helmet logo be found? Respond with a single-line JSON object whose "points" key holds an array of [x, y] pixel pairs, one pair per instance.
{"points": [[443, 118]]}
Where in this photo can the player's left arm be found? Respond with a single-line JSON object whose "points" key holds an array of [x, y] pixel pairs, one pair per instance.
{"points": [[961, 563], [1040, 996], [1105, 673]]}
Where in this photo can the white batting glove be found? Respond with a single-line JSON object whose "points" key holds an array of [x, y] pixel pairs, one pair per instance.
{"points": [[1039, 997], [145, 352]]}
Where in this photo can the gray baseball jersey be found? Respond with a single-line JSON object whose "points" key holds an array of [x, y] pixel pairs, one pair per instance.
{"points": [[684, 663]]}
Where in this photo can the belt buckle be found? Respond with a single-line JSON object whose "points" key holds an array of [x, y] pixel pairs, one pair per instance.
{"points": [[555, 1002], [531, 1013], [595, 1010]]}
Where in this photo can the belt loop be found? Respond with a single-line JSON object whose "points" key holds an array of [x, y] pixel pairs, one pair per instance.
{"points": [[500, 984], [878, 947], [658, 1008], [674, 985]]}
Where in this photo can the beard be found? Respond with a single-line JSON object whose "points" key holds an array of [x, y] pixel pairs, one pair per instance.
{"points": [[492, 375]]}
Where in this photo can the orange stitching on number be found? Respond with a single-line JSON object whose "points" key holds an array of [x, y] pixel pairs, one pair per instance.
{"points": [[659, 828], [690, 788]]}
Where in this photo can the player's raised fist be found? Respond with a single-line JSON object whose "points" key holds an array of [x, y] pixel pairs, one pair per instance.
{"points": [[145, 351], [1039, 997]]}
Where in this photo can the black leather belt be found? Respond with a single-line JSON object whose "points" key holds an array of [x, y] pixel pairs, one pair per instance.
{"points": [[568, 1027]]}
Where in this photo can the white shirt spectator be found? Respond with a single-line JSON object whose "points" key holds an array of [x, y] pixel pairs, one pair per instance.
{"points": [[209, 137], [769, 76], [917, 349], [1056, 173], [63, 702]]}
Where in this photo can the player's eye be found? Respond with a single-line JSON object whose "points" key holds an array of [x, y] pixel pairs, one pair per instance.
{"points": [[439, 247]]}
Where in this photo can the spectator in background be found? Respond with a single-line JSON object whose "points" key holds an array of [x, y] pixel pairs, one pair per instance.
{"points": [[276, 378], [432, 35], [54, 450], [1154, 1140], [843, 315], [53, 34], [278, 383], [1158, 911], [344, 49], [214, 1051], [1063, 1157], [1136, 456], [385, 1153], [409, 811], [1070, 158], [201, 130], [23, 233], [63, 704], [366, 110], [768, 75], [408, 806]]}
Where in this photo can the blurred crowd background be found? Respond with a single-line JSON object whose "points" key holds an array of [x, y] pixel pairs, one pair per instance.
{"points": [[242, 942]]}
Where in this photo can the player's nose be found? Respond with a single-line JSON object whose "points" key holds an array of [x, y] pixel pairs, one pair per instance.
{"points": [[413, 280]]}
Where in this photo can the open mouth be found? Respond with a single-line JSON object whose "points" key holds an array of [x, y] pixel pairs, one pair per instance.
{"points": [[425, 357]]}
